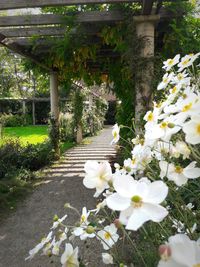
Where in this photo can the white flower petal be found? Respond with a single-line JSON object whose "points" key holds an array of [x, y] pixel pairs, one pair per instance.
{"points": [[158, 191], [124, 185], [137, 219], [156, 213], [117, 202]]}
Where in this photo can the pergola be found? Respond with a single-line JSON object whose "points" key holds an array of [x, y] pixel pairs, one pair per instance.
{"points": [[15, 33]]}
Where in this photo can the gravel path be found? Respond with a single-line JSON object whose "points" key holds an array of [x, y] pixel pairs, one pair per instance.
{"points": [[23, 229]]}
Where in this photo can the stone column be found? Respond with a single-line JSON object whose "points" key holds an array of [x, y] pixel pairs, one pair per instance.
{"points": [[145, 29], [24, 107], [54, 97], [33, 111]]}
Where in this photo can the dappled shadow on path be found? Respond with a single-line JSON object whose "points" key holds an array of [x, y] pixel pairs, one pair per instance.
{"points": [[22, 230]]}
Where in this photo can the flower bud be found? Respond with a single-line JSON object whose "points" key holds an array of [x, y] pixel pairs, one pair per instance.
{"points": [[90, 229], [165, 252], [67, 205], [171, 125], [55, 218], [117, 223]]}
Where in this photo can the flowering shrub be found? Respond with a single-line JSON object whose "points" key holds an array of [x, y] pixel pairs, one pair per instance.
{"points": [[155, 192]]}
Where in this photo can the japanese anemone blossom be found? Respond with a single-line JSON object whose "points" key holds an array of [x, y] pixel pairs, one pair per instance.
{"points": [[178, 174], [138, 201], [169, 63], [115, 133], [192, 130], [180, 252], [97, 176], [70, 256]]}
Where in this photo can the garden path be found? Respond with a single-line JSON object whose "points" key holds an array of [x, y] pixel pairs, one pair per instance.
{"points": [[23, 229]]}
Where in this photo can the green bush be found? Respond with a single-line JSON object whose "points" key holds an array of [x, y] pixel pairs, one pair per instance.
{"points": [[11, 120], [66, 127], [34, 157], [14, 156]]}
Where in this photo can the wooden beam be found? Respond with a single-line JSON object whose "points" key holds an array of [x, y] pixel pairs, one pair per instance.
{"points": [[2, 37], [147, 7], [34, 31], [46, 43], [48, 31], [14, 4], [49, 19]]}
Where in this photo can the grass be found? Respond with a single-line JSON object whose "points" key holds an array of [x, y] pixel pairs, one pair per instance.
{"points": [[27, 134]]}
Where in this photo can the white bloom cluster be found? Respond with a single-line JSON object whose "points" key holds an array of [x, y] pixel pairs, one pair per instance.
{"points": [[137, 192]]}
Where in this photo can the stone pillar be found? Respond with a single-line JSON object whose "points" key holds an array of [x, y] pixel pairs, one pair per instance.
{"points": [[79, 134], [145, 29], [33, 111], [24, 107], [54, 97]]}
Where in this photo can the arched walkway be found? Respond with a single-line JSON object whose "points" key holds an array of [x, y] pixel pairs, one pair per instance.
{"points": [[23, 229]]}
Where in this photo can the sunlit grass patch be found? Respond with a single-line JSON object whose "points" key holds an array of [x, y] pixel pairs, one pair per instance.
{"points": [[27, 134]]}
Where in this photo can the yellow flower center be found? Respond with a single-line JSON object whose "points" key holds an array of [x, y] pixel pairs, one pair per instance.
{"points": [[163, 125], [107, 235], [198, 129], [136, 201], [150, 116], [165, 80], [133, 160], [180, 76], [187, 107], [102, 177], [141, 141], [178, 169], [184, 96], [83, 218], [115, 135], [174, 90], [185, 62], [170, 61]]}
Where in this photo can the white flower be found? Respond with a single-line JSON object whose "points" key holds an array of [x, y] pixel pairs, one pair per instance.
{"points": [[141, 156], [56, 248], [58, 222], [192, 130], [181, 79], [187, 61], [130, 165], [165, 129], [39, 246], [138, 201], [70, 256], [107, 258], [178, 174], [181, 252], [82, 231], [99, 206], [115, 133], [165, 81], [180, 227], [162, 148], [182, 148], [108, 236], [168, 64], [97, 176]]}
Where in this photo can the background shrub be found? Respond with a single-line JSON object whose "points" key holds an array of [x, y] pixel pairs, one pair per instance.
{"points": [[14, 156], [11, 120]]}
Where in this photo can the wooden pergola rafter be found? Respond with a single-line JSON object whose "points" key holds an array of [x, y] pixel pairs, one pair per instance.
{"points": [[15, 33]]}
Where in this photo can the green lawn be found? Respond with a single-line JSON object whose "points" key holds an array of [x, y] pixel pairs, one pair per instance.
{"points": [[27, 134]]}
